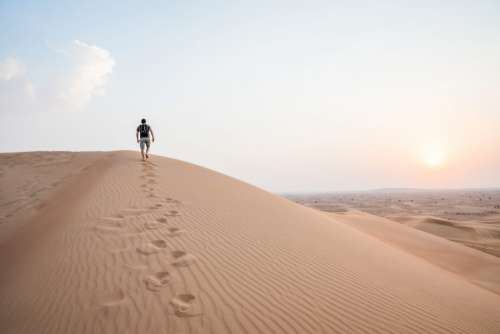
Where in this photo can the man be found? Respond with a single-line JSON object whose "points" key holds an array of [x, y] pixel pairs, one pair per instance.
{"points": [[143, 131]]}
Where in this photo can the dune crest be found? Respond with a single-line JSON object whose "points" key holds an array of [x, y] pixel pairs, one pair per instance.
{"points": [[121, 246]]}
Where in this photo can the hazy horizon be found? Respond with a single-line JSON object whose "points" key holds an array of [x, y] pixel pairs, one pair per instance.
{"points": [[321, 97], [392, 190]]}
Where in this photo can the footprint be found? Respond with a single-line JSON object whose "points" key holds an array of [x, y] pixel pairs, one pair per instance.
{"points": [[151, 181], [182, 304], [151, 248], [159, 243], [178, 253], [172, 213], [151, 196], [182, 259], [162, 220], [157, 281], [175, 231]]}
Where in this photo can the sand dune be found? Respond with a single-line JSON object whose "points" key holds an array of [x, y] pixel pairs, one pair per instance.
{"points": [[114, 245], [470, 217], [479, 234], [470, 264]]}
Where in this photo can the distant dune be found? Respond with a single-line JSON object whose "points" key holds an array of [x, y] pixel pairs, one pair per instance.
{"points": [[470, 217], [103, 243], [479, 234]]}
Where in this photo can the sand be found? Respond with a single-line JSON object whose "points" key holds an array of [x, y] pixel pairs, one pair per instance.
{"points": [[103, 243], [470, 264], [470, 217]]}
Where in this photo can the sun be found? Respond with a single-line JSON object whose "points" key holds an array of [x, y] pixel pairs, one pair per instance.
{"points": [[433, 157]]}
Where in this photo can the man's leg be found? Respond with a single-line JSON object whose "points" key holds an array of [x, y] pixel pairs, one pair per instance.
{"points": [[147, 149], [142, 150]]}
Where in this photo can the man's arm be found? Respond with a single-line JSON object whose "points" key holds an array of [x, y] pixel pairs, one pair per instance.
{"points": [[152, 134], [137, 135]]}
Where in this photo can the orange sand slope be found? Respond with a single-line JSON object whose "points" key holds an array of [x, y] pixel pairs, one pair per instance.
{"points": [[103, 243]]}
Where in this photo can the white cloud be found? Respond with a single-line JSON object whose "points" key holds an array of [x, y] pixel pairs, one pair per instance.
{"points": [[10, 68], [92, 67], [16, 90], [86, 77]]}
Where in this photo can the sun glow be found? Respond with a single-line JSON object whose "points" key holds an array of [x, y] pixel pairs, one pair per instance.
{"points": [[433, 157]]}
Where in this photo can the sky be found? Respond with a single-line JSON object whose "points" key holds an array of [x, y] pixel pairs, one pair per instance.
{"points": [[291, 96]]}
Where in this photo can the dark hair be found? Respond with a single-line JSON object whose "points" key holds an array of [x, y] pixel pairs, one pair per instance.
{"points": [[143, 120]]}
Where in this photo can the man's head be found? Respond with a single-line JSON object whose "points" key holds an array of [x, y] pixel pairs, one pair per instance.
{"points": [[143, 121]]}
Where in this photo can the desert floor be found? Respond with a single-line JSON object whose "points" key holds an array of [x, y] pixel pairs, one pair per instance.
{"points": [[104, 243]]}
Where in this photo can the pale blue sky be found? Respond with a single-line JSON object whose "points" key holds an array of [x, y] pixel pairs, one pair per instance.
{"points": [[289, 96]]}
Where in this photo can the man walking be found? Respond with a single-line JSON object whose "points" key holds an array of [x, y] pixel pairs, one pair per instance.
{"points": [[143, 131]]}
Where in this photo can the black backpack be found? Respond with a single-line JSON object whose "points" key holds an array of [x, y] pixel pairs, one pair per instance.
{"points": [[144, 130]]}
